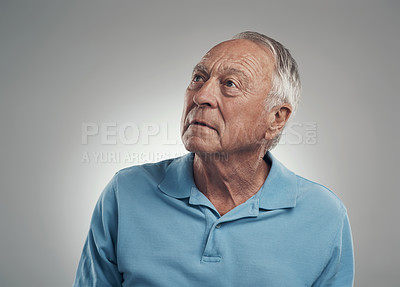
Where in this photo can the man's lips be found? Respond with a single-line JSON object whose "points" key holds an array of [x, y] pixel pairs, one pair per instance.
{"points": [[201, 123]]}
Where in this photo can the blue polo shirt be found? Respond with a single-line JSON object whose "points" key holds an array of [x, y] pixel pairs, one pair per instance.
{"points": [[153, 227]]}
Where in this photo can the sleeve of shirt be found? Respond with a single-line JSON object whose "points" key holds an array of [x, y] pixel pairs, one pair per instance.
{"points": [[98, 263], [339, 272]]}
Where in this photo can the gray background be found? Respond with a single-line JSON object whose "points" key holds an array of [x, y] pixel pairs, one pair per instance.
{"points": [[64, 63]]}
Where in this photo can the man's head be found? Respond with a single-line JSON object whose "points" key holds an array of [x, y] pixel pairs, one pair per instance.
{"points": [[241, 95], [286, 79]]}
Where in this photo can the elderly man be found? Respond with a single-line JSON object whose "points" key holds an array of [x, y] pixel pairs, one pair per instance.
{"points": [[228, 213]]}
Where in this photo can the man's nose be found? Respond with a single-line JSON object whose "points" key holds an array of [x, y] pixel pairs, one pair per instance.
{"points": [[207, 94]]}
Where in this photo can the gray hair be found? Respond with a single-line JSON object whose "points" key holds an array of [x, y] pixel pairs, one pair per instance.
{"points": [[286, 83]]}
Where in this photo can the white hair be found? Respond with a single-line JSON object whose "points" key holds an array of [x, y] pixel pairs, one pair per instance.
{"points": [[286, 83]]}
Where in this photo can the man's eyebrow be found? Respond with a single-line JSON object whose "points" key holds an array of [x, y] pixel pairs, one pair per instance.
{"points": [[200, 68], [234, 71], [226, 70]]}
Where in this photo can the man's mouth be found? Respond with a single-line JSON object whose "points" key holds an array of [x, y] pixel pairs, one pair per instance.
{"points": [[201, 123]]}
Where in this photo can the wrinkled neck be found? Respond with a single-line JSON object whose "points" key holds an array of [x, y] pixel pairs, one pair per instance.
{"points": [[229, 180]]}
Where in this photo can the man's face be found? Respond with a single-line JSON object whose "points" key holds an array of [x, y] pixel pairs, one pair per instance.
{"points": [[224, 108]]}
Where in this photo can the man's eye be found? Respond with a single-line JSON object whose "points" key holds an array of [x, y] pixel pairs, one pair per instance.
{"points": [[230, 84], [197, 78]]}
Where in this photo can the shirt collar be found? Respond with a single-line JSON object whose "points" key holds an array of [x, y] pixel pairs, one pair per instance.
{"points": [[278, 191], [178, 180], [280, 188]]}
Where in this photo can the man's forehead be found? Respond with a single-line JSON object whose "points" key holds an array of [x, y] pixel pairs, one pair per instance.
{"points": [[233, 54], [243, 47]]}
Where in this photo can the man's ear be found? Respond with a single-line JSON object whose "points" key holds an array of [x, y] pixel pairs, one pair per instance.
{"points": [[277, 119]]}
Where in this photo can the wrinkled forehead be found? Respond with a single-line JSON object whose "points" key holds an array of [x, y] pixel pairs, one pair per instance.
{"points": [[239, 53], [241, 46]]}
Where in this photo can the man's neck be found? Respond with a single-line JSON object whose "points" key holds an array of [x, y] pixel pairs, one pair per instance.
{"points": [[228, 180]]}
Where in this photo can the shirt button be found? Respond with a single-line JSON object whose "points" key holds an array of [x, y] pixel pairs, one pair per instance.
{"points": [[218, 226]]}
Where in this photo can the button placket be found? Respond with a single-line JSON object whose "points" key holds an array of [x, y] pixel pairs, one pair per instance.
{"points": [[214, 222], [211, 251]]}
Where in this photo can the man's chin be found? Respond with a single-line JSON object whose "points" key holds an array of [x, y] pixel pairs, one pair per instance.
{"points": [[200, 147]]}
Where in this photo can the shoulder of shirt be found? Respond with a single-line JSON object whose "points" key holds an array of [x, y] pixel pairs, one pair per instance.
{"points": [[148, 174], [154, 170], [319, 196]]}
